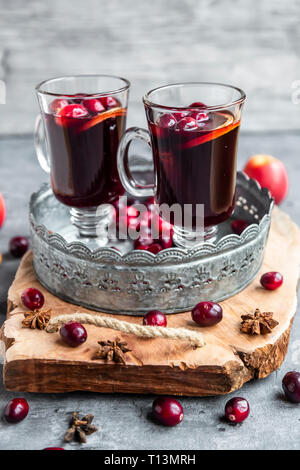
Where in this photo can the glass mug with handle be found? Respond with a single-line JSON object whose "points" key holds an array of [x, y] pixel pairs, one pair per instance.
{"points": [[83, 120], [193, 133]]}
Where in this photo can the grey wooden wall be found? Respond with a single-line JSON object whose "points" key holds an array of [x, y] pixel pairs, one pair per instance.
{"points": [[253, 44]]}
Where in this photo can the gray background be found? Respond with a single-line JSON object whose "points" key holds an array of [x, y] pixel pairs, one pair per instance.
{"points": [[251, 44]]}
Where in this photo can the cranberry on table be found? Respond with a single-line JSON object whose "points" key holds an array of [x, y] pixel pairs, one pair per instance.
{"points": [[18, 246], [291, 386], [155, 318], [271, 280], [238, 226], [167, 411], [237, 410], [207, 313], [32, 298], [16, 410], [73, 333]]}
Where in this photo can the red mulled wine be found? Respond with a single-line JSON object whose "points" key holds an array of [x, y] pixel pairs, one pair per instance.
{"points": [[83, 135], [195, 159]]}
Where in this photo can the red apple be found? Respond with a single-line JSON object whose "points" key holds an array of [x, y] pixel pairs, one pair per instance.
{"points": [[2, 210], [270, 173]]}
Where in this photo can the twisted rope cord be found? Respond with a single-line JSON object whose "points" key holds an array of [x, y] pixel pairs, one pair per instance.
{"points": [[183, 334]]}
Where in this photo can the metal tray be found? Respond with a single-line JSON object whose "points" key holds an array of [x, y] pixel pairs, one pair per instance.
{"points": [[172, 281]]}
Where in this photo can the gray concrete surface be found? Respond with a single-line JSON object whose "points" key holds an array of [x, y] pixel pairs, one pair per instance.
{"points": [[122, 419], [251, 44]]}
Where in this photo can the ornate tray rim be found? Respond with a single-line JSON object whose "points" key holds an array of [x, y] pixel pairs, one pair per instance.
{"points": [[138, 257]]}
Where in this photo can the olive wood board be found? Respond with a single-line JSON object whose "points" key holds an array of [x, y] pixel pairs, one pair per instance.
{"points": [[37, 361]]}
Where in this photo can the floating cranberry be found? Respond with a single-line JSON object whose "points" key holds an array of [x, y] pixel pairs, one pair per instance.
{"points": [[73, 333], [271, 280], [73, 111], [207, 313], [94, 106], [155, 318], [291, 386], [18, 246], [32, 298], [109, 102], [166, 121], [237, 410], [155, 248], [187, 124], [58, 104], [179, 115], [238, 226], [200, 117], [167, 411], [198, 104], [16, 410]]}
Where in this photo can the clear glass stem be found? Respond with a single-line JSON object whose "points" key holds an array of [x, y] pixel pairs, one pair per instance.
{"points": [[92, 222], [185, 238]]}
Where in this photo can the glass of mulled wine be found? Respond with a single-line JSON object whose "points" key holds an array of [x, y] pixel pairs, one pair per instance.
{"points": [[83, 120], [193, 133]]}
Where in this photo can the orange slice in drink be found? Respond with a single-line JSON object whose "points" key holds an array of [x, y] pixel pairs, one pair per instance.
{"points": [[226, 127], [111, 113]]}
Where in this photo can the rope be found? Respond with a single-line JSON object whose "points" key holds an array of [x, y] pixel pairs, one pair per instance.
{"points": [[183, 334]]}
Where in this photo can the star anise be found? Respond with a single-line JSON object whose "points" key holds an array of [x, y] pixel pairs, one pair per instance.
{"points": [[259, 323], [36, 319], [80, 428], [112, 351]]}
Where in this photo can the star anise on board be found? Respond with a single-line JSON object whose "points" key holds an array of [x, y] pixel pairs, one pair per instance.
{"points": [[36, 319], [80, 428], [112, 351], [259, 323]]}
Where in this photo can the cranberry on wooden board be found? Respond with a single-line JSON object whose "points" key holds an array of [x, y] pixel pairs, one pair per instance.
{"points": [[155, 318], [291, 386], [18, 246], [73, 333], [237, 410], [271, 280], [167, 411], [207, 313], [16, 410], [32, 298]]}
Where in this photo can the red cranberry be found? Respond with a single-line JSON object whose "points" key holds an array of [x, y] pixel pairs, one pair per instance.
{"points": [[166, 121], [179, 115], [16, 410], [2, 210], [198, 104], [18, 246], [187, 124], [291, 386], [271, 280], [237, 410], [94, 106], [207, 313], [32, 298], [73, 333], [200, 117], [53, 448], [155, 248], [58, 104], [155, 318], [73, 111], [109, 102], [166, 241], [238, 226], [167, 411]]}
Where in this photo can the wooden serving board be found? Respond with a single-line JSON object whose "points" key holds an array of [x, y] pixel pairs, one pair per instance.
{"points": [[37, 361]]}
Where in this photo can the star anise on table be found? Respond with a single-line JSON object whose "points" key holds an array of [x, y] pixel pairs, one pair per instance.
{"points": [[80, 428], [36, 319], [259, 323], [112, 351]]}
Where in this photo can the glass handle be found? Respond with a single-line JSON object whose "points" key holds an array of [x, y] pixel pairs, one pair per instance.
{"points": [[129, 183], [39, 140]]}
